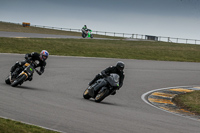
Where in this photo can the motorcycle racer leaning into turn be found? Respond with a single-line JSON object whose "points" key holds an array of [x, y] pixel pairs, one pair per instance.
{"points": [[34, 56], [85, 28], [118, 69]]}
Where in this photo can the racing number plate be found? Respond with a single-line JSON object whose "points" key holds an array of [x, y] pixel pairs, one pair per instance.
{"points": [[30, 69]]}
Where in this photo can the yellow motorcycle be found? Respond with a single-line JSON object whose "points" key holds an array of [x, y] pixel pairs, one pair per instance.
{"points": [[25, 74]]}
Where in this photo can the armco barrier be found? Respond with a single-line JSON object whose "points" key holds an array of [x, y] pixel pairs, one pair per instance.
{"points": [[125, 35]]}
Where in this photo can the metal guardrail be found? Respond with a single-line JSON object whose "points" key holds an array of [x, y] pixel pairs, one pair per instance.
{"points": [[124, 35]]}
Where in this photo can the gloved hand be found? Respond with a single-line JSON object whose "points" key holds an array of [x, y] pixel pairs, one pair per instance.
{"points": [[40, 73], [26, 58]]}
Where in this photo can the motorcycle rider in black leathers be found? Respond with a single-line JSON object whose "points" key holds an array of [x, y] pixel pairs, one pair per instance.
{"points": [[34, 56], [85, 28], [118, 69]]}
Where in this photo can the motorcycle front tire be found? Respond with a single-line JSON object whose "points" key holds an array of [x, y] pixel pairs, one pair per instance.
{"points": [[91, 36], [18, 81], [100, 96]]}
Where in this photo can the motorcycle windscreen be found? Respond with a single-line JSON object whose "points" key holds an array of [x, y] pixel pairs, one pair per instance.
{"points": [[113, 80]]}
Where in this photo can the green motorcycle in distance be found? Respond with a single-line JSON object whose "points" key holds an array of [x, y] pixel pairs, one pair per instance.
{"points": [[87, 33]]}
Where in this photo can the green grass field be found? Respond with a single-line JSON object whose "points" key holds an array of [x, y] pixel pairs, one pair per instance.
{"points": [[104, 48], [9, 126], [189, 101], [145, 50]]}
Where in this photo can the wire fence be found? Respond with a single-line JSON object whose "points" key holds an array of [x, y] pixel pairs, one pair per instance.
{"points": [[126, 35]]}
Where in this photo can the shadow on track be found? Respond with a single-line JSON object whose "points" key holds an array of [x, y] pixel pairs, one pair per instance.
{"points": [[22, 87], [28, 88], [103, 102]]}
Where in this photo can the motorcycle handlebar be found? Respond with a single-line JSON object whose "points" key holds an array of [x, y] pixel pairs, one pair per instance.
{"points": [[30, 61]]}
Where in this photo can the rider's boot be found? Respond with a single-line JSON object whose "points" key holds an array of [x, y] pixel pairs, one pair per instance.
{"points": [[15, 73], [98, 76], [113, 93], [17, 64], [30, 78], [91, 82], [13, 70]]}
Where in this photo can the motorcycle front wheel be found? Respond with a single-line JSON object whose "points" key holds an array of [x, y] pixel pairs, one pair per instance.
{"points": [[18, 81], [86, 94], [7, 80], [91, 36], [100, 96]]}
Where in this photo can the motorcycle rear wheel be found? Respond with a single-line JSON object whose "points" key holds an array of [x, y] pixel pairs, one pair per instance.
{"points": [[100, 96], [86, 94], [83, 35], [18, 81]]}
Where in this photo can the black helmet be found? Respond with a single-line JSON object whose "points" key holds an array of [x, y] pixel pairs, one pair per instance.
{"points": [[120, 65]]}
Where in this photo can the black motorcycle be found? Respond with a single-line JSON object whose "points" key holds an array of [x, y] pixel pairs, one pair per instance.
{"points": [[102, 88], [26, 72]]}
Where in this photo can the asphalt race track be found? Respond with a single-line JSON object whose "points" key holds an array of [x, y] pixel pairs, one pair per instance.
{"points": [[54, 100]]}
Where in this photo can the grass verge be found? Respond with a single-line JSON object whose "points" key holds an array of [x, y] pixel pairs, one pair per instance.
{"points": [[9, 126], [189, 101], [104, 48]]}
